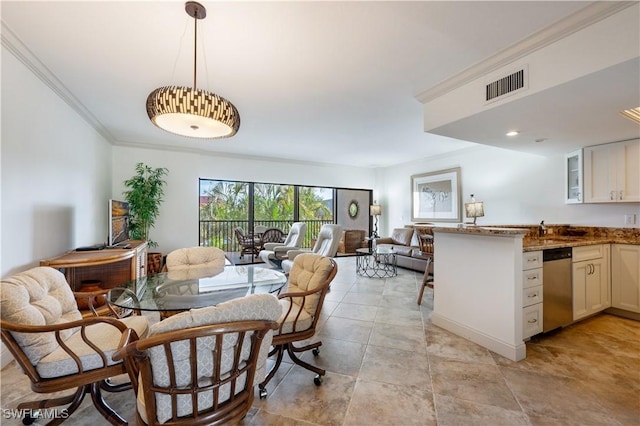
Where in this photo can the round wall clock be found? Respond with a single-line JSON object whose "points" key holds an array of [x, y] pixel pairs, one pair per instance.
{"points": [[353, 209]]}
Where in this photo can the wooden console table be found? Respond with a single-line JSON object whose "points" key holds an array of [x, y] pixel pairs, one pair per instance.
{"points": [[111, 267]]}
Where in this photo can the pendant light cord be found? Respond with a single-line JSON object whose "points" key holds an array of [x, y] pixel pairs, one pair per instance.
{"points": [[195, 51]]}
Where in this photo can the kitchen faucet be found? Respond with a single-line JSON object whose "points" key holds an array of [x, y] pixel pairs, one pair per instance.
{"points": [[542, 229]]}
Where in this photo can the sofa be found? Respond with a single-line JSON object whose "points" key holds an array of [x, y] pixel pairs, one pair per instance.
{"points": [[406, 244]]}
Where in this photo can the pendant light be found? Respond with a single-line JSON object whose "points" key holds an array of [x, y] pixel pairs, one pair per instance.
{"points": [[187, 111]]}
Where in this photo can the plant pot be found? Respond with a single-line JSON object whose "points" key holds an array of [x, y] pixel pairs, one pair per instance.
{"points": [[90, 286], [154, 263]]}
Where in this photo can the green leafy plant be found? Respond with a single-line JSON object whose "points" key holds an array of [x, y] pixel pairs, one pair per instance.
{"points": [[144, 195]]}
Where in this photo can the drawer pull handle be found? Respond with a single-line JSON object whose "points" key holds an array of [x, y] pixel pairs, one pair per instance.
{"points": [[532, 295], [532, 259], [532, 277], [532, 321]]}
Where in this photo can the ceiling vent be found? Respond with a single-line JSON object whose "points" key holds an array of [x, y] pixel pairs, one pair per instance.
{"points": [[508, 85]]}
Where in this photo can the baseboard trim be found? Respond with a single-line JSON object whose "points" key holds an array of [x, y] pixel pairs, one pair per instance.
{"points": [[623, 313], [512, 352]]}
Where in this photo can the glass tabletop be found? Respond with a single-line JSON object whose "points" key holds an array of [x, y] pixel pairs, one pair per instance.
{"points": [[377, 250], [195, 287]]}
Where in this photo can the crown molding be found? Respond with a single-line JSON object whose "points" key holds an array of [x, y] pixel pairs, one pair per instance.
{"points": [[585, 17], [17, 48], [218, 154]]}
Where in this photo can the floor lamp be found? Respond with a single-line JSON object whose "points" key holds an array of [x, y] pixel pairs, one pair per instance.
{"points": [[375, 210]]}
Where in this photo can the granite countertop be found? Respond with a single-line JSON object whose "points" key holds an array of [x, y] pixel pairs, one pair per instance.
{"points": [[547, 242]]}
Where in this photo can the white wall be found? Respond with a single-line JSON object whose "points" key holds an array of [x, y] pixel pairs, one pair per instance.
{"points": [[56, 173], [177, 225], [516, 188]]}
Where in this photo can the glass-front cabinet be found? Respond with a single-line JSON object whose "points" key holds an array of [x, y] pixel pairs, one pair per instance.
{"points": [[573, 177]]}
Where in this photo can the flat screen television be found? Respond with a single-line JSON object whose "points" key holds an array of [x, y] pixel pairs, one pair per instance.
{"points": [[118, 222]]}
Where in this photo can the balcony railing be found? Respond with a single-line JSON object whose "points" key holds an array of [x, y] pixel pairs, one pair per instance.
{"points": [[220, 233]]}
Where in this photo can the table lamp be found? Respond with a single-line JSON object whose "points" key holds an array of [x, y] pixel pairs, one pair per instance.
{"points": [[474, 209]]}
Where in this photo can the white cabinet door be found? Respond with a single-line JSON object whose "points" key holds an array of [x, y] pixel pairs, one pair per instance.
{"points": [[612, 172], [532, 320], [590, 288], [627, 157], [625, 277], [573, 177], [599, 175]]}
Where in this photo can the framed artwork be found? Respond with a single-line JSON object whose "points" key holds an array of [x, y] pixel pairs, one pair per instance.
{"points": [[436, 196]]}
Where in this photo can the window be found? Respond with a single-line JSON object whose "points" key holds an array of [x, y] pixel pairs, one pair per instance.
{"points": [[252, 206]]}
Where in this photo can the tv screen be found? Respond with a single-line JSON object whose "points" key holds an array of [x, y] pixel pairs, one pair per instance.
{"points": [[118, 222]]}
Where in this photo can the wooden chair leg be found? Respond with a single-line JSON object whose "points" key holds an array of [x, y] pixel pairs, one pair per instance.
{"points": [[291, 350], [106, 385], [424, 284], [263, 386], [74, 400], [103, 408]]}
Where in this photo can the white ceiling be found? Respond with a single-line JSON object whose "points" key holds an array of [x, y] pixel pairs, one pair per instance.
{"points": [[573, 115], [314, 81]]}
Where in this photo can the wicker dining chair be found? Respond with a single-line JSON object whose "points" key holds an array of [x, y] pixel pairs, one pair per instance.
{"points": [[309, 282], [199, 367], [248, 244], [58, 349]]}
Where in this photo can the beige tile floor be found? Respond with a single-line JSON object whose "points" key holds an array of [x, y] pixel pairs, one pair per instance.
{"points": [[388, 365]]}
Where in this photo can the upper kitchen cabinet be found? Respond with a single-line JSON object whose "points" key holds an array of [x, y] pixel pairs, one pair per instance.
{"points": [[573, 177], [611, 172]]}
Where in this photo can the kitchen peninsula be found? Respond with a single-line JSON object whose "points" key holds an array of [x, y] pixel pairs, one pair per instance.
{"points": [[489, 280]]}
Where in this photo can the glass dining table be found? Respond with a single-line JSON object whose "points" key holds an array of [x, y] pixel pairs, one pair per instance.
{"points": [[195, 287]]}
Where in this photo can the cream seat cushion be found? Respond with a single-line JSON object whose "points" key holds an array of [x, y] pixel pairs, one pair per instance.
{"points": [[105, 336], [254, 307], [309, 272], [42, 296], [185, 258]]}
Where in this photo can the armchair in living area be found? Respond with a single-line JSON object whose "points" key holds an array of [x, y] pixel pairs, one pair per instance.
{"points": [[326, 245], [407, 246], [200, 367], [273, 253], [58, 349], [351, 240]]}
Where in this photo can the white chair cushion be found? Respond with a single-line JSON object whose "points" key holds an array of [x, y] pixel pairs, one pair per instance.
{"points": [[38, 296], [105, 336], [254, 307], [202, 256]]}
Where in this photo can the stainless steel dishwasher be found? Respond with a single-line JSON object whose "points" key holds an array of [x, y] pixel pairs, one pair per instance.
{"points": [[557, 303]]}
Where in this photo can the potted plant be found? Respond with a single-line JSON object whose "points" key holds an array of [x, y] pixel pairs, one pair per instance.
{"points": [[144, 195]]}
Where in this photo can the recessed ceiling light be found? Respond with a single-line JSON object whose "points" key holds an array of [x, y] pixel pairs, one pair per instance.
{"points": [[513, 133]]}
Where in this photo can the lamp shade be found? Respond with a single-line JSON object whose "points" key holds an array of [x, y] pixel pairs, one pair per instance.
{"points": [[474, 209], [375, 210], [187, 111], [193, 113]]}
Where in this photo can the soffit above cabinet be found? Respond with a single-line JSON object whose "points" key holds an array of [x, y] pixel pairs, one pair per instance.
{"points": [[574, 90]]}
